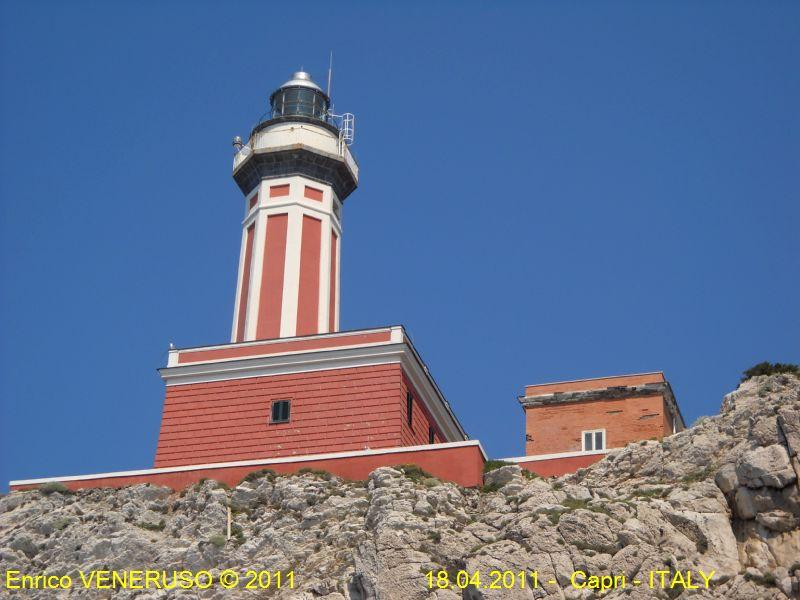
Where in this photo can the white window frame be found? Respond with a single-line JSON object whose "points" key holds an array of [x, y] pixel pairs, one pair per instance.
{"points": [[593, 431]]}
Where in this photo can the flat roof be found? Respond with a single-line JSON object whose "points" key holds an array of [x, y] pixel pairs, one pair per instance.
{"points": [[592, 383], [596, 378]]}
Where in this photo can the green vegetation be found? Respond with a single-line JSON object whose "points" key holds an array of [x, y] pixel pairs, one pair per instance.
{"points": [[491, 487], [491, 465], [652, 493], [152, 526], [61, 523], [574, 503], [767, 580], [475, 549], [238, 534], [217, 484], [217, 540], [259, 474], [318, 472], [414, 473], [54, 486], [553, 514], [570, 504], [699, 475], [768, 368]]}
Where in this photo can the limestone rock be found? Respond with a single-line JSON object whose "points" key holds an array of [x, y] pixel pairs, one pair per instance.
{"points": [[778, 520], [726, 479], [765, 467], [719, 496], [585, 529], [789, 425], [502, 476]]}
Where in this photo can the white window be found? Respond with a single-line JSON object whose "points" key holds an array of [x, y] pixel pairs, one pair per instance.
{"points": [[594, 439]]}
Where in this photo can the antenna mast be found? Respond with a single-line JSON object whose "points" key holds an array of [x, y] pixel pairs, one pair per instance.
{"points": [[330, 74]]}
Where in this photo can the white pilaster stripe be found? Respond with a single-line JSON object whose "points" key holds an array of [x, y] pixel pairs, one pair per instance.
{"points": [[256, 268], [291, 276], [242, 249], [337, 290]]}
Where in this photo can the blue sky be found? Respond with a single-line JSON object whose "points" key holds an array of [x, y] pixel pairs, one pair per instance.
{"points": [[549, 191]]}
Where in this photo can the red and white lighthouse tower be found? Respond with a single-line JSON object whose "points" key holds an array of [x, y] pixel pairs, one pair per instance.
{"points": [[295, 172]]}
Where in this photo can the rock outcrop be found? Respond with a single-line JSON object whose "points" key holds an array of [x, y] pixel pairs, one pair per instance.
{"points": [[720, 498]]}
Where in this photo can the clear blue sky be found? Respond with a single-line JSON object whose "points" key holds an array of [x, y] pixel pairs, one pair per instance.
{"points": [[549, 191]]}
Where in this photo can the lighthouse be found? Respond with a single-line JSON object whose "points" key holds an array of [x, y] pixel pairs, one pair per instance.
{"points": [[295, 172], [290, 384]]}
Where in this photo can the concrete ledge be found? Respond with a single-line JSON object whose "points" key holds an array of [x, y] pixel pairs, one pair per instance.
{"points": [[459, 462]]}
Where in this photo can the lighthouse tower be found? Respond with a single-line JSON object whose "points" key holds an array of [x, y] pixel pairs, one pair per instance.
{"points": [[295, 172]]}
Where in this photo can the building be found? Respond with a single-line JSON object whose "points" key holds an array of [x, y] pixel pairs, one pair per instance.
{"points": [[356, 390], [291, 391], [290, 383], [572, 424]]}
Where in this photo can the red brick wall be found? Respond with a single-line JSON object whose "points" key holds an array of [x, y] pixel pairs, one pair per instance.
{"points": [[271, 291], [308, 293], [560, 466], [331, 411], [421, 420], [462, 465], [557, 427]]}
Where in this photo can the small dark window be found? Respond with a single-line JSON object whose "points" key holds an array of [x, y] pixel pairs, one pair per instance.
{"points": [[280, 411], [409, 407], [431, 436]]}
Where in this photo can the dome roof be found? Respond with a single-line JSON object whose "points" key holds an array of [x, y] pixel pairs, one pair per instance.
{"points": [[301, 79]]}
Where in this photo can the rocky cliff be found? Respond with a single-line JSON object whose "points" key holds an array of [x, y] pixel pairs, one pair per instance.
{"points": [[719, 500]]}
